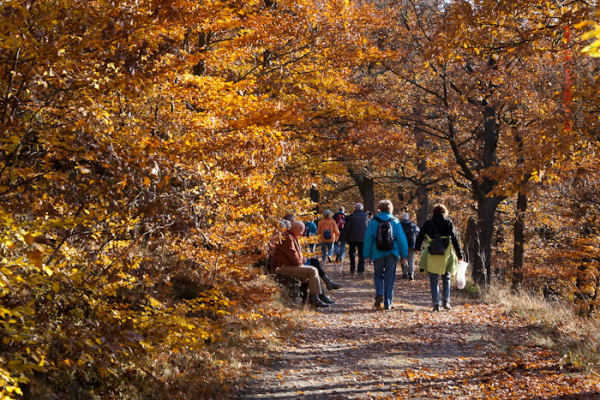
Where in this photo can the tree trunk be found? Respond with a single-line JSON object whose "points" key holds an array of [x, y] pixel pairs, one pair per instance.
{"points": [[481, 249], [366, 186], [422, 189], [519, 241], [203, 43], [470, 239], [315, 198], [422, 197]]}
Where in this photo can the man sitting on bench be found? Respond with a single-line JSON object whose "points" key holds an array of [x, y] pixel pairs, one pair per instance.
{"points": [[288, 261]]}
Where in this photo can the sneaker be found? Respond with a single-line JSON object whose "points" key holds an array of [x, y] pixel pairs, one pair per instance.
{"points": [[329, 259], [446, 305], [436, 307], [411, 277], [378, 301], [388, 308]]}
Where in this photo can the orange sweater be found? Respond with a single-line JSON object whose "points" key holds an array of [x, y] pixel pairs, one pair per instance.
{"points": [[328, 224]]}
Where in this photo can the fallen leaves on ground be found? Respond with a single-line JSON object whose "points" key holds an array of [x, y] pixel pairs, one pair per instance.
{"points": [[474, 351]]}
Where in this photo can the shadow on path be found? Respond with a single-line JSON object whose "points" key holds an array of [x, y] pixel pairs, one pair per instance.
{"points": [[350, 351]]}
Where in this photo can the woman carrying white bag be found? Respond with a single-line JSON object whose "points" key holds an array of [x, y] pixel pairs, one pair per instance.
{"points": [[438, 232]]}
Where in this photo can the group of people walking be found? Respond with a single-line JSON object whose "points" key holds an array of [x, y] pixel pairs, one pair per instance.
{"points": [[380, 238]]}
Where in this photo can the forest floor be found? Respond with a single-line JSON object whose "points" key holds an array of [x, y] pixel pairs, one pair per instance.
{"points": [[474, 351]]}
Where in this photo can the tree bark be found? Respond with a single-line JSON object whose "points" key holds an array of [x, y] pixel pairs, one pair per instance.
{"points": [[366, 186], [422, 189], [481, 248], [422, 196], [203, 43], [470, 239], [519, 241]]}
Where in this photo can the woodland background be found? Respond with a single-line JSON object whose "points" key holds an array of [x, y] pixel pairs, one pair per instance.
{"points": [[148, 148]]}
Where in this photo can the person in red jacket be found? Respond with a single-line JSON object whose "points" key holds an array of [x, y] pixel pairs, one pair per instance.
{"points": [[288, 261]]}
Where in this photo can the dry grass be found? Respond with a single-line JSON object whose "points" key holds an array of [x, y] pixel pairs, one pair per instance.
{"points": [[577, 338]]}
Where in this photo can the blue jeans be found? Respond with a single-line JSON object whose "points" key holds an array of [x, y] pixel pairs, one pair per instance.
{"points": [[340, 249], [384, 276], [354, 247], [435, 289], [326, 250]]}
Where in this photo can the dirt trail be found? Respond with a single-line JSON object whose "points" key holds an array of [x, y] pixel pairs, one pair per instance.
{"points": [[474, 351]]}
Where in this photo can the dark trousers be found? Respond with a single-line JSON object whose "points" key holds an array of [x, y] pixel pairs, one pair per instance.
{"points": [[317, 264], [314, 262], [361, 258]]}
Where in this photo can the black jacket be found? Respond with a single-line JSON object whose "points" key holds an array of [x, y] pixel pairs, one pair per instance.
{"points": [[444, 227], [356, 226]]}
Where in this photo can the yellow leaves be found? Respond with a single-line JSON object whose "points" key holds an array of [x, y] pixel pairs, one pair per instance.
{"points": [[594, 34]]}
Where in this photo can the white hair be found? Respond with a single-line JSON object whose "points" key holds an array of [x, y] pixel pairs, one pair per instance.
{"points": [[404, 216], [358, 206]]}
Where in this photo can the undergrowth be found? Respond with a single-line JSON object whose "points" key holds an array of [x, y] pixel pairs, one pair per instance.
{"points": [[575, 337]]}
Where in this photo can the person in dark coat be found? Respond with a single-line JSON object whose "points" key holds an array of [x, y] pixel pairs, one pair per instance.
{"points": [[356, 228], [411, 231], [437, 265]]}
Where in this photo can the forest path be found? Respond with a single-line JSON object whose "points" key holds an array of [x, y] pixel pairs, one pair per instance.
{"points": [[474, 351]]}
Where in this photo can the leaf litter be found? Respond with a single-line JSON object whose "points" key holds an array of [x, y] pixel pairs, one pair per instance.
{"points": [[474, 351]]}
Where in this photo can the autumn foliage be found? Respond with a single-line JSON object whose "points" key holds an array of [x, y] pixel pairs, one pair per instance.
{"points": [[148, 147]]}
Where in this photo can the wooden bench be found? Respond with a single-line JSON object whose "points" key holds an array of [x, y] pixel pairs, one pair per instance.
{"points": [[293, 288]]}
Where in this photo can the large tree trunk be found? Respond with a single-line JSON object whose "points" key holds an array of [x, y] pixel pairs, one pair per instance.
{"points": [[481, 247], [519, 241], [366, 186]]}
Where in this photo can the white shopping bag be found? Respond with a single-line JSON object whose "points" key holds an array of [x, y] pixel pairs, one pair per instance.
{"points": [[461, 275]]}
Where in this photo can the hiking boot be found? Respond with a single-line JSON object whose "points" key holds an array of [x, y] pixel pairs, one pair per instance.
{"points": [[337, 258], [329, 259], [378, 301], [446, 305], [436, 307]]}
